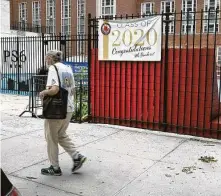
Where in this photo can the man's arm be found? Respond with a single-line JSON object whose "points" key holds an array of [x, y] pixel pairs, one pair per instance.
{"points": [[73, 86], [52, 84], [53, 90]]}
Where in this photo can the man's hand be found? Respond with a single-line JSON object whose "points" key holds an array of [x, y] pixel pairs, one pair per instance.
{"points": [[43, 93], [53, 90]]}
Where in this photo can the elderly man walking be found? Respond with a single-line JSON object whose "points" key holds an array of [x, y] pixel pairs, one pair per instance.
{"points": [[55, 129]]}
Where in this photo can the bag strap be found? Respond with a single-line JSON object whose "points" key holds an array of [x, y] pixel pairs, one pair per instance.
{"points": [[58, 76]]}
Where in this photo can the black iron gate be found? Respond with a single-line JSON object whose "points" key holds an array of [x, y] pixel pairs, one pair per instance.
{"points": [[23, 66], [22, 57]]}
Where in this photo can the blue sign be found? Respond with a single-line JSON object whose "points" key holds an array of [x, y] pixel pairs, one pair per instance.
{"points": [[12, 83], [80, 70], [77, 67]]}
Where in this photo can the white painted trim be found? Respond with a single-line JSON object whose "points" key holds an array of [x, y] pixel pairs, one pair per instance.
{"points": [[39, 12], [218, 49], [143, 9], [53, 19], [99, 9], [64, 18], [19, 11], [185, 22], [205, 22], [84, 16]]}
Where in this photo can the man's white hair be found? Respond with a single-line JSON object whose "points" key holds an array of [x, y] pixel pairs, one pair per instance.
{"points": [[55, 54]]}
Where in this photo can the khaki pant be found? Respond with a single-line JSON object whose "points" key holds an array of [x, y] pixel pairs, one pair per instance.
{"points": [[55, 133]]}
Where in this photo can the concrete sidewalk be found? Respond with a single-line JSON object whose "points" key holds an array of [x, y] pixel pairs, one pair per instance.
{"points": [[121, 161]]}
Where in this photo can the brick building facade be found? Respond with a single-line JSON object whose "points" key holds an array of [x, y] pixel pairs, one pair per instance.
{"points": [[70, 17]]}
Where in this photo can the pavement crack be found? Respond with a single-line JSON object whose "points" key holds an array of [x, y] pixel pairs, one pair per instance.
{"points": [[160, 160], [45, 185], [20, 135], [182, 142], [99, 139], [125, 154]]}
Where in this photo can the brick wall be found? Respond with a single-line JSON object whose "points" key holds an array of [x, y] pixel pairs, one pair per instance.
{"points": [[123, 7]]}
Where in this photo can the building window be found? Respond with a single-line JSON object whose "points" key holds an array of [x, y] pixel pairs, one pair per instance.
{"points": [[23, 16], [168, 7], [218, 61], [108, 8], [147, 8], [65, 17], [211, 17], [81, 12], [50, 16], [188, 9], [36, 17], [81, 17]]}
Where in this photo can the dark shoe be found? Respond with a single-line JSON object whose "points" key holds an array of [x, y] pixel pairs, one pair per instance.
{"points": [[78, 162], [51, 171]]}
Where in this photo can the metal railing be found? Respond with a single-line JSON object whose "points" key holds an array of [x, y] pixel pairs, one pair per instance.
{"points": [[23, 57], [179, 94], [38, 84]]}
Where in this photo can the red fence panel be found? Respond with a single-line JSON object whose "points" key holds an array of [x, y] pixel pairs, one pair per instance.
{"points": [[132, 93]]}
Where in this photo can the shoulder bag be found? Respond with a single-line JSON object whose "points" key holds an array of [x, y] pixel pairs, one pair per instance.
{"points": [[55, 107]]}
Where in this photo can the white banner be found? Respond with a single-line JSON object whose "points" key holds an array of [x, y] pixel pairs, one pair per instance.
{"points": [[130, 40]]}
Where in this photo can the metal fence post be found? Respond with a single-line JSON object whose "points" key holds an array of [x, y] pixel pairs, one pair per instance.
{"points": [[32, 96], [17, 66], [60, 41], [65, 47], [89, 67], [81, 91], [167, 21], [43, 57]]}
